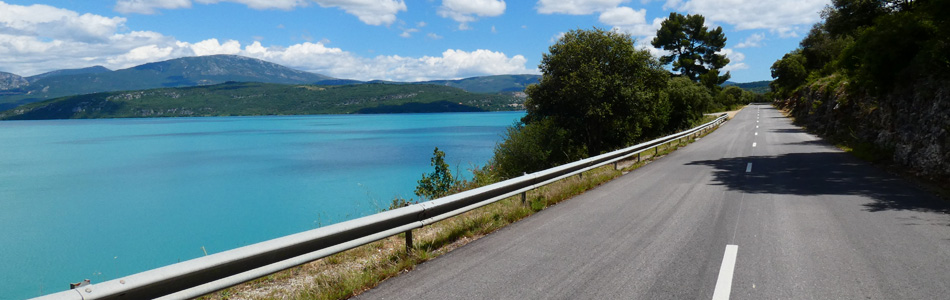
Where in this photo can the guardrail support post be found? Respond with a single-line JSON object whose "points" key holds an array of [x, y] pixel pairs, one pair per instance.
{"points": [[408, 241], [638, 157], [524, 198], [615, 166]]}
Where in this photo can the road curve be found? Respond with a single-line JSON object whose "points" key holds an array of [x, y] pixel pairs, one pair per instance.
{"points": [[789, 215]]}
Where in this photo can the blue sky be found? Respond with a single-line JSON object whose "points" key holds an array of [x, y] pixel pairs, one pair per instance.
{"points": [[373, 39]]}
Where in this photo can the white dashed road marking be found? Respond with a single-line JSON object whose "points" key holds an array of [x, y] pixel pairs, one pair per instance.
{"points": [[724, 283]]}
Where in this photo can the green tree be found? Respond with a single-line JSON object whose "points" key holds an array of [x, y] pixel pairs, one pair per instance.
{"points": [[438, 183], [820, 49], [693, 47], [689, 100], [846, 17], [600, 89], [789, 73]]}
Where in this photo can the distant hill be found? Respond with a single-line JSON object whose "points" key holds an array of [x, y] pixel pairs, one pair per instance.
{"points": [[245, 99], [180, 72], [490, 84], [760, 87], [11, 81], [203, 70], [67, 72]]}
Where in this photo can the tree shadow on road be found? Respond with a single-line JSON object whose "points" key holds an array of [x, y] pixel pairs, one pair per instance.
{"points": [[823, 173]]}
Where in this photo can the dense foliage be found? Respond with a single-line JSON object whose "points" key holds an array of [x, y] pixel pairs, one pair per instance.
{"points": [[248, 99], [437, 183], [598, 93], [600, 89], [877, 43], [694, 49], [873, 76]]}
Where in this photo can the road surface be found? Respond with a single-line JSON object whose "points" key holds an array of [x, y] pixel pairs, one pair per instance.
{"points": [[758, 209]]}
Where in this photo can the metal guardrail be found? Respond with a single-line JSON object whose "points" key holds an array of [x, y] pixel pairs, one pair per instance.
{"points": [[203, 275]]}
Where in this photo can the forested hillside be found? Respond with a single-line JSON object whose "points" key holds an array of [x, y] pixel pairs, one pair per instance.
{"points": [[249, 99], [875, 76], [180, 72]]}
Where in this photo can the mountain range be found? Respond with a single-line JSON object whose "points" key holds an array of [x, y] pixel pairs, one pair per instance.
{"points": [[198, 71], [255, 98], [98, 83]]}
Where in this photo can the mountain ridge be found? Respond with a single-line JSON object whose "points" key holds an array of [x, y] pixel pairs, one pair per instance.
{"points": [[179, 72], [252, 99]]}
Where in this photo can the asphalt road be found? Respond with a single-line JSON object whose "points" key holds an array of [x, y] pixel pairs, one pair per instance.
{"points": [[804, 221]]}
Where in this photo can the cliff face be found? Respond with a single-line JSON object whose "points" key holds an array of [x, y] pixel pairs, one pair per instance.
{"points": [[910, 124], [11, 81]]}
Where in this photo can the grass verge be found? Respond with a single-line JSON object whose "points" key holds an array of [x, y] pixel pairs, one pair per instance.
{"points": [[351, 272]]}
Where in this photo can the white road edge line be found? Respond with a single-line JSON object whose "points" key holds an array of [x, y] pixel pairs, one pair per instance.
{"points": [[748, 167], [724, 283]]}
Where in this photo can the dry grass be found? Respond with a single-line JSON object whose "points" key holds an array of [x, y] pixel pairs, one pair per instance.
{"points": [[351, 272]]}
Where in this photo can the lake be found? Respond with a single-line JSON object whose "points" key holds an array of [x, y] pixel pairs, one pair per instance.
{"points": [[100, 199]]}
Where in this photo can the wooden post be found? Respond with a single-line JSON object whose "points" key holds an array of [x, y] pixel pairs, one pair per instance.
{"points": [[408, 241]]}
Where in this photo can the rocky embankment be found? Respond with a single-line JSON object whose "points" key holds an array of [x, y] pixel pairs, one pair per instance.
{"points": [[910, 124]]}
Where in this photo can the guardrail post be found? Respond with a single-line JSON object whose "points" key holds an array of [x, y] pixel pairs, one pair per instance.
{"points": [[615, 166], [408, 241], [638, 157], [524, 198]]}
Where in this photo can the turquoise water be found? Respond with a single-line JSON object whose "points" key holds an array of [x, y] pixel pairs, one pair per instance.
{"points": [[100, 199]]}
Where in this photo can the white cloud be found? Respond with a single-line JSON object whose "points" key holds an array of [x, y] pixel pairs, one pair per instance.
{"points": [[786, 32], [735, 60], [29, 47], [262, 4], [623, 15], [780, 16], [434, 36], [211, 47], [140, 54], [407, 33], [56, 23], [149, 7], [465, 11], [576, 7], [335, 62], [753, 41], [630, 21], [372, 12]]}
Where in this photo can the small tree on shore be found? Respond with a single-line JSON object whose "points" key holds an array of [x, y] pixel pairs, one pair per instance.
{"points": [[438, 183]]}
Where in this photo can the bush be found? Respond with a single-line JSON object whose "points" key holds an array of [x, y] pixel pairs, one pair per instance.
{"points": [[439, 182], [534, 147], [688, 100]]}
